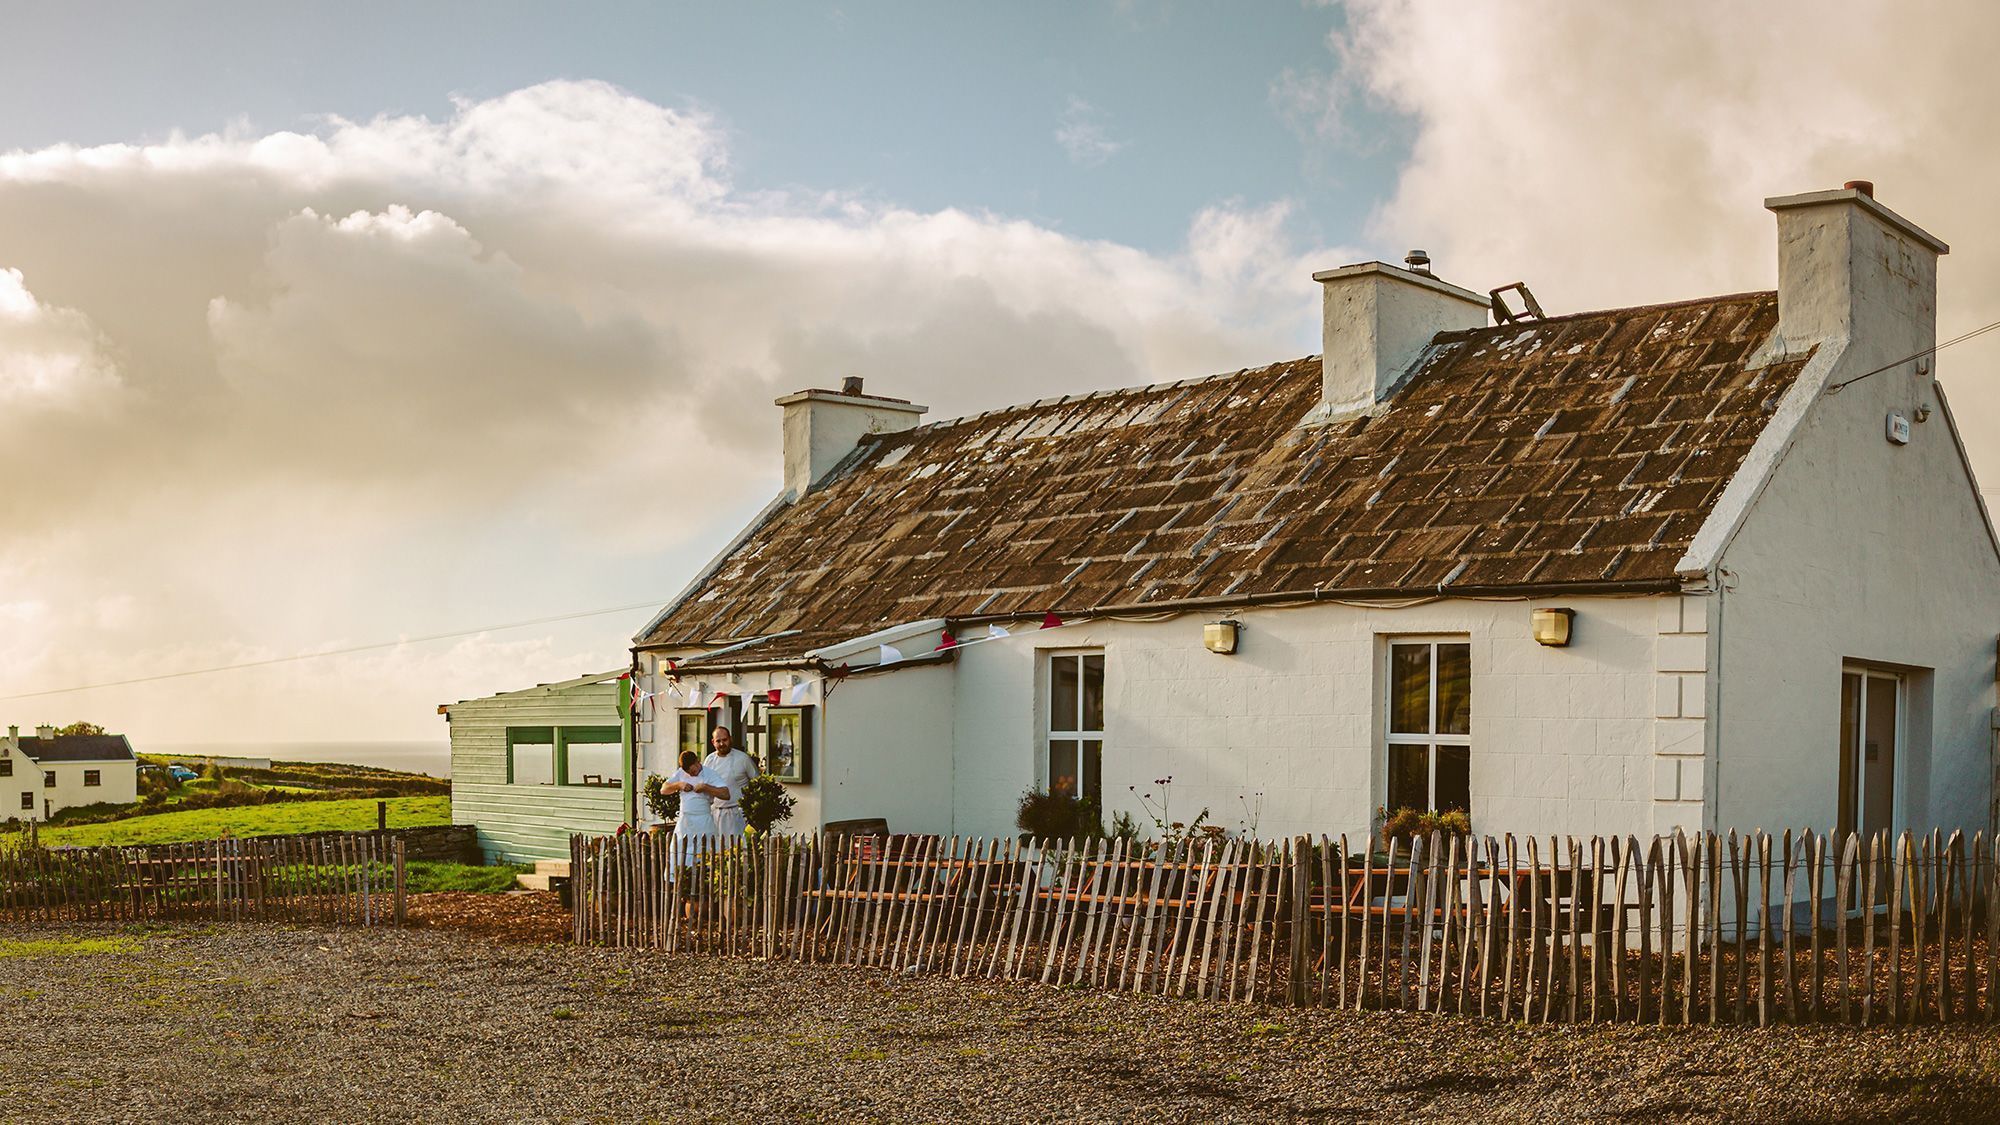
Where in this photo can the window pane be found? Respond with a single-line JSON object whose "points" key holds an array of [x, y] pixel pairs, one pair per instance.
{"points": [[1878, 755], [1454, 689], [1454, 778], [1410, 689], [1062, 767], [1093, 692], [1409, 778], [534, 763], [1093, 771], [1062, 692], [594, 763]]}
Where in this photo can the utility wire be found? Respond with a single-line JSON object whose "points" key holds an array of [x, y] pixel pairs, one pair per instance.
{"points": [[657, 602], [1932, 350]]}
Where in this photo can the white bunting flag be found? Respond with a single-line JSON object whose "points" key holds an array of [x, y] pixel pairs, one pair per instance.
{"points": [[890, 654], [799, 691], [995, 632]]}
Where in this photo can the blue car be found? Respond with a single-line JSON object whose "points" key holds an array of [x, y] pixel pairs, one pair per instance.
{"points": [[182, 774]]}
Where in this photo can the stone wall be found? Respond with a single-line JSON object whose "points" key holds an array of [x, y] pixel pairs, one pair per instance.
{"points": [[440, 843]]}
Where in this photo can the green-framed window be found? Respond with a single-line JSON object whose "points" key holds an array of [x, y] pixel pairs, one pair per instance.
{"points": [[531, 756], [593, 756]]}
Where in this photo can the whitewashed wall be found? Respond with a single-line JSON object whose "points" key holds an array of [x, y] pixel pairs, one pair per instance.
{"points": [[1562, 739], [119, 783], [1858, 550]]}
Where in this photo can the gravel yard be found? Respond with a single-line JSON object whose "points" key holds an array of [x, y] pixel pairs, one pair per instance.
{"points": [[259, 1023]]}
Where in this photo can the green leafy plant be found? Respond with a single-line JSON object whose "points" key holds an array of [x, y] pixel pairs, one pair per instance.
{"points": [[765, 803], [1058, 816], [662, 804]]}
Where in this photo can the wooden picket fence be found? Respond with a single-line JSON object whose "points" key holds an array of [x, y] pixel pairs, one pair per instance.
{"points": [[353, 880], [1679, 929]]}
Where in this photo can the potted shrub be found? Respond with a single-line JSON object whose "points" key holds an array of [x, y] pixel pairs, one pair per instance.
{"points": [[1057, 816]]}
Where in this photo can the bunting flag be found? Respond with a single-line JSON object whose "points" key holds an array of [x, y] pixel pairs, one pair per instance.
{"points": [[1051, 621], [949, 641], [995, 632], [774, 695], [889, 655], [799, 691]]}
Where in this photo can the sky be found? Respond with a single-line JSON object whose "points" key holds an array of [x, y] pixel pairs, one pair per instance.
{"points": [[324, 327]]}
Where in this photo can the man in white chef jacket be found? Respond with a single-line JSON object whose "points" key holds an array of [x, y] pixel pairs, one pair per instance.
{"points": [[736, 769]]}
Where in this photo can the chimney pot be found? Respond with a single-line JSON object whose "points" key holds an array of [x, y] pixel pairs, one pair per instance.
{"points": [[1865, 187], [1418, 260], [851, 385]]}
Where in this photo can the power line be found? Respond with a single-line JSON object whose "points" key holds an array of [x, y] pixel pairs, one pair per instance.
{"points": [[339, 651], [1932, 350]]}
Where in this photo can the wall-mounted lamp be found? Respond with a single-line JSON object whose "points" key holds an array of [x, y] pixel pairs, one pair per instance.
{"points": [[1552, 626], [1219, 636]]}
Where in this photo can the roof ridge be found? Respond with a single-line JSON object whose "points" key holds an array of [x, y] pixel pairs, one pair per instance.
{"points": [[1087, 396], [1623, 310]]}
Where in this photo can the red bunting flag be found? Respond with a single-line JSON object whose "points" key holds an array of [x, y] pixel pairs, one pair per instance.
{"points": [[774, 695], [1051, 621], [949, 641]]}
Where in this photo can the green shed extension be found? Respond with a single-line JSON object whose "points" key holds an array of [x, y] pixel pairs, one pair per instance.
{"points": [[529, 768]]}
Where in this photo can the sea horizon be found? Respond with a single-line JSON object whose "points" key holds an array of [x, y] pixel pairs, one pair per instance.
{"points": [[427, 757]]}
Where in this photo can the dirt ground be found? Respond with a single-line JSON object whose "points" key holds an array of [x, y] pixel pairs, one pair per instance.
{"points": [[261, 1023]]}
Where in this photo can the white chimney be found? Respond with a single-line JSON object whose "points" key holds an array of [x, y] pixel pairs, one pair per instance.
{"points": [[45, 732], [1378, 320], [823, 427], [1852, 271]]}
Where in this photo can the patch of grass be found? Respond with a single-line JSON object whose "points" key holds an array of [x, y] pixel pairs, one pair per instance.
{"points": [[562, 1014], [866, 1054], [68, 947], [254, 820], [425, 877]]}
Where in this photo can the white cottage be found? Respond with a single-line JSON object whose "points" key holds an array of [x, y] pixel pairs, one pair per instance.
{"points": [[46, 772], [1717, 563]]}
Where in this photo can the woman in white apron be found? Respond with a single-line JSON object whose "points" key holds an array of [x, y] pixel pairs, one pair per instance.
{"points": [[694, 829]]}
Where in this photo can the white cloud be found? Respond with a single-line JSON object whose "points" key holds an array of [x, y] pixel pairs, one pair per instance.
{"points": [[404, 375], [1611, 154], [1081, 133]]}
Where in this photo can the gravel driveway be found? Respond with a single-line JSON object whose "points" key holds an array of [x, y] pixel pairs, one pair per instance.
{"points": [[256, 1024]]}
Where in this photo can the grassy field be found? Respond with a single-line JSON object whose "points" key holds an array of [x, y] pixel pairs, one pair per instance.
{"points": [[253, 820]]}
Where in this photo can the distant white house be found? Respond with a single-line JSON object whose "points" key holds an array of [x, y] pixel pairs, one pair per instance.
{"points": [[1714, 563], [47, 772]]}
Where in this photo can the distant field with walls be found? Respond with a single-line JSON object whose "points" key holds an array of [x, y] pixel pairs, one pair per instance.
{"points": [[252, 820]]}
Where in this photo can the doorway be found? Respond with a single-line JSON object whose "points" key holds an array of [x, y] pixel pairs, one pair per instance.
{"points": [[1871, 745]]}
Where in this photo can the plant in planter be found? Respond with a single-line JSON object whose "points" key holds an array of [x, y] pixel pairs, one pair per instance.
{"points": [[1408, 824], [1058, 816], [765, 803]]}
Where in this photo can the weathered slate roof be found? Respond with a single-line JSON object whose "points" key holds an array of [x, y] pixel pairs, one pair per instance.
{"points": [[1576, 450], [78, 748]]}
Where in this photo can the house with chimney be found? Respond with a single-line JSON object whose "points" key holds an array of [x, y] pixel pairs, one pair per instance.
{"points": [[1712, 563], [46, 772]]}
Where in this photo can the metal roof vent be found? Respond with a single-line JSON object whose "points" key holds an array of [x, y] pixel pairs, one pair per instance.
{"points": [[851, 385], [1418, 260]]}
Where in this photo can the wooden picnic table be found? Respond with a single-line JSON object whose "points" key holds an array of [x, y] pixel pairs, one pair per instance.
{"points": [[1372, 892]]}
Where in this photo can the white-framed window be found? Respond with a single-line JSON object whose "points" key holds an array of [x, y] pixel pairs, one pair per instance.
{"points": [[1073, 726], [1427, 756]]}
